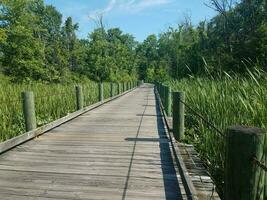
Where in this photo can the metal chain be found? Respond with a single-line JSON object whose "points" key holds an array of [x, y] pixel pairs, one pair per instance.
{"points": [[259, 163], [203, 118]]}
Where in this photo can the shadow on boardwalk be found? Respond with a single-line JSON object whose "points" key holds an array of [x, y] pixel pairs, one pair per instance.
{"points": [[170, 180]]}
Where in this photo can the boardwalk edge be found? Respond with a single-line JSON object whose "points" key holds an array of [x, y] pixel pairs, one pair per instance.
{"points": [[12, 143], [188, 184]]}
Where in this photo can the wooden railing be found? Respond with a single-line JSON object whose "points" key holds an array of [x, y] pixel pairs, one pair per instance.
{"points": [[29, 114]]}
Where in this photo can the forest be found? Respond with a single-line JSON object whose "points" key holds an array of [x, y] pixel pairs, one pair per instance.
{"points": [[220, 63], [36, 44]]}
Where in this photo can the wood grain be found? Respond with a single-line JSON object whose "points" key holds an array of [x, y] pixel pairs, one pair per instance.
{"points": [[118, 151]]}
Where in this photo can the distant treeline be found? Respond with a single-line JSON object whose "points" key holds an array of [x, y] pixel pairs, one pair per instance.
{"points": [[35, 44], [233, 41]]}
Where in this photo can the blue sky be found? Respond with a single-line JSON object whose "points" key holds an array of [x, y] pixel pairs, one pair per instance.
{"points": [[137, 17]]}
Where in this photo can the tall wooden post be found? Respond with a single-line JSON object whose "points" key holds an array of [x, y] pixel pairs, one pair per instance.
{"points": [[101, 92], [178, 115], [79, 97], [29, 111], [243, 178]]}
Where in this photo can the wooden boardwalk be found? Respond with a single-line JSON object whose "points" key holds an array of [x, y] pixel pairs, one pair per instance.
{"points": [[118, 151]]}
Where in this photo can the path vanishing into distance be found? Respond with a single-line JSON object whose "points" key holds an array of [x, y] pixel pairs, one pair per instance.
{"points": [[120, 150]]}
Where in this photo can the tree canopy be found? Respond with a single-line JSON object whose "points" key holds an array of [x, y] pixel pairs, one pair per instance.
{"points": [[36, 44]]}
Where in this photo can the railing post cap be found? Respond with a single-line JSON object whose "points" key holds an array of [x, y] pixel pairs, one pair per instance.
{"points": [[245, 130]]}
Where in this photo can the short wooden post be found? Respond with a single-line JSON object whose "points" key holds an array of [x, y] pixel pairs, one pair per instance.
{"points": [[79, 97], [178, 115], [118, 88], [29, 110], [111, 90], [161, 90], [162, 94], [243, 178], [101, 92], [168, 101]]}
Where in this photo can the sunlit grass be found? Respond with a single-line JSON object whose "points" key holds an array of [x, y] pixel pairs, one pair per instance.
{"points": [[224, 102], [52, 101]]}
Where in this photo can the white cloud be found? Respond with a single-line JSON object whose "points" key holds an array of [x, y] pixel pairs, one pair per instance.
{"points": [[142, 4], [128, 6], [95, 14]]}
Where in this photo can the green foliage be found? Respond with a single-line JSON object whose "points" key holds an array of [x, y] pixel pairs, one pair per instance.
{"points": [[52, 102], [111, 56], [236, 35], [225, 102], [36, 45], [151, 66], [23, 52]]}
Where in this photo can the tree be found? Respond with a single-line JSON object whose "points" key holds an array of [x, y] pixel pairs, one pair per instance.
{"points": [[23, 51]]}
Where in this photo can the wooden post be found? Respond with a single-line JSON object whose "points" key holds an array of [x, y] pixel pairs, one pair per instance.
{"points": [[243, 178], [111, 90], [165, 96], [168, 101], [29, 111], [101, 92], [79, 97], [118, 88], [178, 115]]}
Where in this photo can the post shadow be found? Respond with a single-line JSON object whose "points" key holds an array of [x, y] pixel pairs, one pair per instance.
{"points": [[171, 183], [170, 180]]}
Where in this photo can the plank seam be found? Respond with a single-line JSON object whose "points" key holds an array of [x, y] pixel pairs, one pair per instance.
{"points": [[16, 141], [189, 187]]}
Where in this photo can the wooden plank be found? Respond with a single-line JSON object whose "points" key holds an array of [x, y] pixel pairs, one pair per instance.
{"points": [[9, 144], [120, 150]]}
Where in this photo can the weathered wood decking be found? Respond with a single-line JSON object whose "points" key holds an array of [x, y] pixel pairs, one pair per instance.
{"points": [[118, 151]]}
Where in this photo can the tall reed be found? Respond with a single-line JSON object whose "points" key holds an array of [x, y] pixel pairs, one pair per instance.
{"points": [[224, 102]]}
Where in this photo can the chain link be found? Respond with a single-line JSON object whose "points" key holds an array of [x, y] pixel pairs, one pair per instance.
{"points": [[203, 118], [259, 163]]}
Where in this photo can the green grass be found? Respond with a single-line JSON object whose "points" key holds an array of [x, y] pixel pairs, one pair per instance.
{"points": [[225, 102], [52, 101]]}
